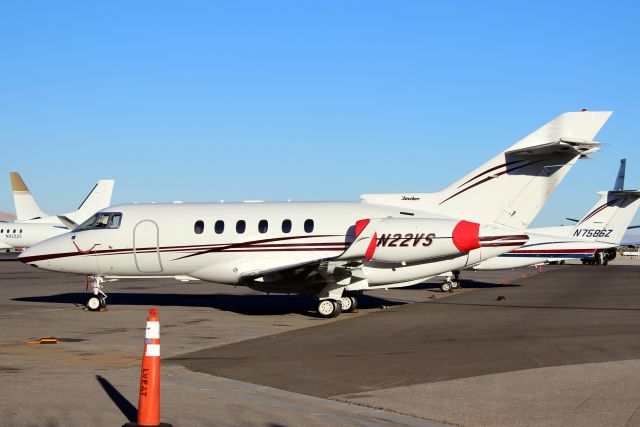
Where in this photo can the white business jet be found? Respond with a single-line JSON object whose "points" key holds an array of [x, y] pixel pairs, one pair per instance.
{"points": [[32, 225], [593, 239], [330, 249]]}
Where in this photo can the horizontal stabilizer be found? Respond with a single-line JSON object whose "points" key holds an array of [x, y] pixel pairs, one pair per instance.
{"points": [[563, 145], [67, 222]]}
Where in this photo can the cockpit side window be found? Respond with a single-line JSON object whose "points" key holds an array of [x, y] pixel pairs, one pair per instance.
{"points": [[101, 220], [115, 220], [87, 224]]}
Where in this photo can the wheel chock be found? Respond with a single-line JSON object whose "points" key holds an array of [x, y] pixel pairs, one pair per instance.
{"points": [[50, 340], [501, 298]]}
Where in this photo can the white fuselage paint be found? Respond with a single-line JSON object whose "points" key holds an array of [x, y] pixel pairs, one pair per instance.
{"points": [[159, 240], [20, 235]]}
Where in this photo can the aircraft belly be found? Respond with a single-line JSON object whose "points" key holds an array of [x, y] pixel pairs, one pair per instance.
{"points": [[384, 273]]}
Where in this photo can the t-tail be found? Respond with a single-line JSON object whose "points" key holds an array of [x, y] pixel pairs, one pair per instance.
{"points": [[99, 198], [512, 188], [608, 220], [26, 206]]}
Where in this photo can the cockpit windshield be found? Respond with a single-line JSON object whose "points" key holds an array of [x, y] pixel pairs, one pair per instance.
{"points": [[109, 220]]}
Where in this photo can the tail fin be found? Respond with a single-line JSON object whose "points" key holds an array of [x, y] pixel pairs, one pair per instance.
{"points": [[99, 198], [26, 206], [512, 188], [619, 185], [608, 220]]}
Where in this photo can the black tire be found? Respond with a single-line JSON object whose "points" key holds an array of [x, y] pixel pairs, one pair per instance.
{"points": [[338, 309], [326, 308]]}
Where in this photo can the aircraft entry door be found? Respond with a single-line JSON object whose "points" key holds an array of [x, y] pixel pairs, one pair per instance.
{"points": [[145, 247]]}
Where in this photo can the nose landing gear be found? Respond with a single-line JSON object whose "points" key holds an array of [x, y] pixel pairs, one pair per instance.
{"points": [[98, 301]]}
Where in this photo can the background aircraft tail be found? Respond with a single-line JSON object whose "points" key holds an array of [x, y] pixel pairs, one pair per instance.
{"points": [[608, 220], [26, 206], [99, 198], [512, 188]]}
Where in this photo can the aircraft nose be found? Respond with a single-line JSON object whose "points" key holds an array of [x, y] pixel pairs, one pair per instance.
{"points": [[39, 255], [31, 255]]}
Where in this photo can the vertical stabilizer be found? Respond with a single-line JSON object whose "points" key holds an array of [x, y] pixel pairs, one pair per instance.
{"points": [[99, 198], [26, 206], [607, 221], [619, 185], [512, 188]]}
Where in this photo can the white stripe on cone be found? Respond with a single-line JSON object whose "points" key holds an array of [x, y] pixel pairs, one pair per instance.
{"points": [[153, 350], [153, 330]]}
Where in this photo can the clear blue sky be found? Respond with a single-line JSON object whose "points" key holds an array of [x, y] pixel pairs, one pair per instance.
{"points": [[272, 100]]}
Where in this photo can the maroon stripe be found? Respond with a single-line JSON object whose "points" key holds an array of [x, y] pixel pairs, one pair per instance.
{"points": [[210, 248], [552, 251], [600, 209], [511, 237], [488, 179], [498, 245], [490, 170]]}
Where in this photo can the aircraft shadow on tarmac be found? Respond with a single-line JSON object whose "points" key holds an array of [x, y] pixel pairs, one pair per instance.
{"points": [[466, 283], [252, 305]]}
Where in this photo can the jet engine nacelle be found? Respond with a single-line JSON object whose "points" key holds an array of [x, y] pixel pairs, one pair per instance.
{"points": [[396, 240]]}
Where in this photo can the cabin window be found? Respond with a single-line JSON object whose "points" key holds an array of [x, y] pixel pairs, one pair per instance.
{"points": [[263, 226], [198, 227], [219, 227], [21, 231], [308, 225], [14, 231], [286, 226], [241, 226]]}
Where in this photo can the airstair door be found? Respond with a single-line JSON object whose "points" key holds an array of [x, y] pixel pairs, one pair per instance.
{"points": [[146, 251]]}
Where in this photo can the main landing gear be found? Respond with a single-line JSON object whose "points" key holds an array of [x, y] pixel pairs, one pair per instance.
{"points": [[329, 308], [452, 282], [98, 300]]}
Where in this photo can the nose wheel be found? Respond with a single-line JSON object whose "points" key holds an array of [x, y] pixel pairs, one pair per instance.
{"points": [[98, 301]]}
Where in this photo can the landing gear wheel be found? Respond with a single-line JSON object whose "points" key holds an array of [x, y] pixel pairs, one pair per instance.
{"points": [[94, 303], [329, 308], [338, 309], [455, 284], [103, 301], [445, 286], [348, 304]]}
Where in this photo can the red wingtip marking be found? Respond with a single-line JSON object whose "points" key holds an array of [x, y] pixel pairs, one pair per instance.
{"points": [[371, 248], [360, 225], [466, 236]]}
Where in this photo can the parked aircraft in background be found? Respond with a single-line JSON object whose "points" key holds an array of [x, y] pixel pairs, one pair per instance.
{"points": [[32, 225], [594, 239], [330, 249]]}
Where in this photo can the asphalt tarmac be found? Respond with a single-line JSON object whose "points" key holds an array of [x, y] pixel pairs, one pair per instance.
{"points": [[573, 315], [561, 348]]}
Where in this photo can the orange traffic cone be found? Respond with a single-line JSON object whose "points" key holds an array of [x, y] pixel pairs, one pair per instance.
{"points": [[149, 400]]}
